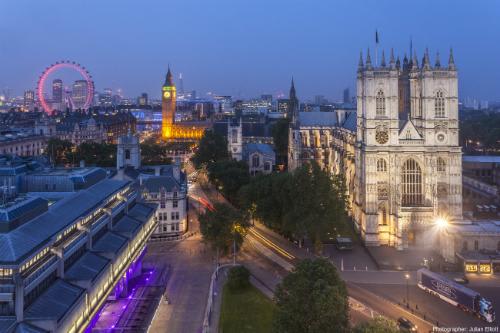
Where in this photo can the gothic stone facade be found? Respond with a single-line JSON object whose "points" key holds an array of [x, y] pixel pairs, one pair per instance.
{"points": [[401, 158]]}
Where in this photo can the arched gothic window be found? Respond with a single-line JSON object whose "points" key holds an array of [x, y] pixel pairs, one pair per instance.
{"points": [[439, 104], [411, 182], [380, 103], [441, 165], [381, 165]]}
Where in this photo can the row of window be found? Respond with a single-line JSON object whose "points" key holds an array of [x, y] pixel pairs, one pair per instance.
{"points": [[173, 227], [163, 216], [439, 104], [163, 204], [382, 165]]}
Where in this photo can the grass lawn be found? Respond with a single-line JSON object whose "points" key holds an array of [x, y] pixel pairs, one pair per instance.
{"points": [[244, 311]]}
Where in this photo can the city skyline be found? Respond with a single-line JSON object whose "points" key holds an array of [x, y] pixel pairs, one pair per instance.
{"points": [[243, 50]]}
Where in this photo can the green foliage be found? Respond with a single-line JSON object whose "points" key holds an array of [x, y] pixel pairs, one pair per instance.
{"points": [[238, 278], [377, 325], [223, 225], [312, 299], [485, 140], [59, 151], [306, 203], [99, 154], [246, 311], [212, 148], [280, 137], [154, 153], [229, 176]]}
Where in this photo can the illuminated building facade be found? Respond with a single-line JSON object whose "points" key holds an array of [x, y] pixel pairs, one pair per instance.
{"points": [[64, 261], [169, 129], [79, 93], [399, 152]]}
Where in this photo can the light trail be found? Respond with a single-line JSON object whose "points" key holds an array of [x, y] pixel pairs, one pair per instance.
{"points": [[280, 250]]}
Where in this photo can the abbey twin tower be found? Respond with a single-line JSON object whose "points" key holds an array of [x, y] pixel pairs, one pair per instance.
{"points": [[399, 151]]}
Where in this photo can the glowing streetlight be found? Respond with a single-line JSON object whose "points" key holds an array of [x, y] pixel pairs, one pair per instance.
{"points": [[441, 222], [407, 278]]}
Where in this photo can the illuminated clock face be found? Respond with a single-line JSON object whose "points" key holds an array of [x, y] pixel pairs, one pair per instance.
{"points": [[166, 94], [382, 136]]}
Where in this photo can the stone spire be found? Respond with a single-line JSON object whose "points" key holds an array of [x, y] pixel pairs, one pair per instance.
{"points": [[360, 63], [368, 60], [406, 63], [426, 63], [169, 80], [398, 63], [383, 59], [451, 61], [293, 104], [438, 62], [415, 60], [391, 60]]}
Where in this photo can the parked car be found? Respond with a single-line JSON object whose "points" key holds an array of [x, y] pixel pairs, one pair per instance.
{"points": [[343, 243], [405, 325]]}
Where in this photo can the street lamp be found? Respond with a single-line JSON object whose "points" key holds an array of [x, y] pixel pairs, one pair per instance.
{"points": [[407, 277], [441, 222]]}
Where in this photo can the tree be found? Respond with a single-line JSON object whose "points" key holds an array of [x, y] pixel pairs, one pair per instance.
{"points": [[99, 154], [377, 325], [312, 299], [212, 148], [223, 227], [280, 137], [229, 176], [59, 151], [238, 278]]}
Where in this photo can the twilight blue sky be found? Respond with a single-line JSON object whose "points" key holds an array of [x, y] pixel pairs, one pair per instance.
{"points": [[243, 47]]}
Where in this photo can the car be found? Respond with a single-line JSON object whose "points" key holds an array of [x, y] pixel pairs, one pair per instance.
{"points": [[343, 243], [461, 279], [405, 325]]}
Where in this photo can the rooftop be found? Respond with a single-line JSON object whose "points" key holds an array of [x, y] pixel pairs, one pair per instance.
{"points": [[318, 118], [55, 302], [19, 243], [259, 147]]}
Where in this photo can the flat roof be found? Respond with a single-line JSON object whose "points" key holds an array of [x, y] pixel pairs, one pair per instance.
{"points": [[110, 243], [86, 268], [19, 243], [55, 302]]}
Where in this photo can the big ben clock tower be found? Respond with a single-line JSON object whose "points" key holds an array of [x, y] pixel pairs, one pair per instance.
{"points": [[168, 97]]}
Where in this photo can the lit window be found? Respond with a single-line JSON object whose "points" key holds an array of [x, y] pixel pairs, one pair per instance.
{"points": [[380, 103], [439, 105], [411, 182]]}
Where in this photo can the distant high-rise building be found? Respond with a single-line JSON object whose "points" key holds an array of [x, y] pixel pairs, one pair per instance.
{"points": [[143, 99], [347, 96], [57, 91], [267, 97], [181, 84], [319, 99], [79, 93], [106, 98], [29, 99]]}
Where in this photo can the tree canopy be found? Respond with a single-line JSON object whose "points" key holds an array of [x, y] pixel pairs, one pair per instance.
{"points": [[306, 203], [229, 176], [312, 299], [212, 148], [222, 226], [280, 137]]}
